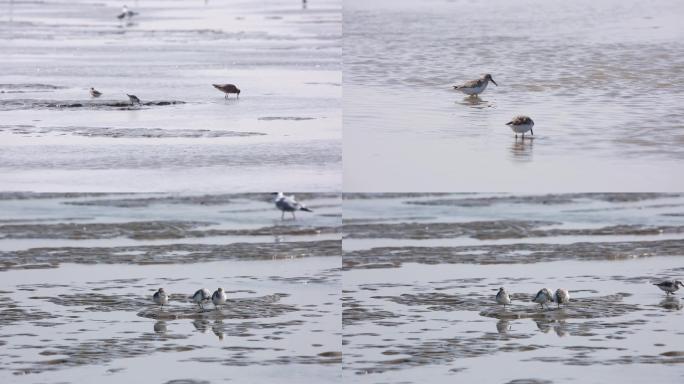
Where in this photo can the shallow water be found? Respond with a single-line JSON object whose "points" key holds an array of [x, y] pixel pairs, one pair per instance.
{"points": [[427, 309], [284, 132], [598, 78]]}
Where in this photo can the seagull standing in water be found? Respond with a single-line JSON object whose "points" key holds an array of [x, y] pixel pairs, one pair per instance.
{"points": [[289, 204], [134, 99], [543, 296], [503, 298], [218, 298], [521, 124], [670, 286], [94, 92], [562, 296], [201, 296], [125, 12], [160, 297], [475, 87]]}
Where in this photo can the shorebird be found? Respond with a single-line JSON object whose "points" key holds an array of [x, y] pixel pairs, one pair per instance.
{"points": [[503, 298], [228, 89], [521, 124], [125, 12], [201, 296], [218, 298], [670, 286], [94, 92], [542, 297], [475, 87], [160, 297], [562, 296], [134, 99], [289, 204]]}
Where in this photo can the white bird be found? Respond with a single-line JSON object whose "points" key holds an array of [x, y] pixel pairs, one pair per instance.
{"points": [[562, 296], [475, 87], [521, 124], [160, 297], [218, 298], [94, 92], [503, 298], [201, 296], [542, 297], [125, 12], [289, 204], [670, 286]]}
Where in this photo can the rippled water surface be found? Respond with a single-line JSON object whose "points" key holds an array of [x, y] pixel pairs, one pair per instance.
{"points": [[284, 132], [415, 307], [599, 78]]}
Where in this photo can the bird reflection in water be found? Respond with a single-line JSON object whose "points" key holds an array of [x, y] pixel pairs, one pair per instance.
{"points": [[160, 327], [671, 303], [201, 325], [217, 328], [503, 326], [561, 328], [521, 149]]}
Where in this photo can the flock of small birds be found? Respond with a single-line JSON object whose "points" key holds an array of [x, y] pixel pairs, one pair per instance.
{"points": [[519, 124]]}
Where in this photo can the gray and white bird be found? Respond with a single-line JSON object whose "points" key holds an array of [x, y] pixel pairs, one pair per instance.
{"points": [[562, 296], [228, 89], [218, 298], [475, 87], [670, 286], [160, 298], [94, 92], [289, 204], [503, 298], [543, 296], [201, 296], [126, 13], [521, 124], [134, 99]]}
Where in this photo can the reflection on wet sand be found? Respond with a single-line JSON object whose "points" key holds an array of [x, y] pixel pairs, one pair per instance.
{"points": [[160, 327], [521, 149], [475, 102]]}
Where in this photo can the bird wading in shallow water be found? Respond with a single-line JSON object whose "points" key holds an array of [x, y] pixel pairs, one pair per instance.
{"points": [[543, 296], [475, 87], [134, 99], [521, 124], [562, 296], [160, 298], [289, 204], [670, 286], [218, 298], [201, 296], [126, 13], [94, 92], [503, 298], [228, 89]]}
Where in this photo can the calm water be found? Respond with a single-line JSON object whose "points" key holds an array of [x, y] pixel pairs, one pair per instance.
{"points": [[283, 133], [600, 79]]}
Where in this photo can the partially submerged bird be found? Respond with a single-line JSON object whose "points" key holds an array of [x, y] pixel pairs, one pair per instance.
{"points": [[475, 87], [503, 298], [521, 124], [228, 89], [670, 286], [125, 12], [201, 296], [134, 99], [562, 296], [160, 298], [289, 204], [94, 92], [543, 296], [218, 298]]}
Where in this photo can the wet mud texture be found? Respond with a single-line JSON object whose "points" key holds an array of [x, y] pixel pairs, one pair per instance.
{"points": [[247, 308], [156, 133], [32, 104], [550, 199]]}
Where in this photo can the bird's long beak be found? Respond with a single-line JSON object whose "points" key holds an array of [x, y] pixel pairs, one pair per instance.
{"points": [[494, 82]]}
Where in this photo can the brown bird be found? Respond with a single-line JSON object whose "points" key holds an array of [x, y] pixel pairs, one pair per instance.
{"points": [[228, 89]]}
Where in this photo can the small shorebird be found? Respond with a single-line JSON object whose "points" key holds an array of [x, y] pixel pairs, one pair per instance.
{"points": [[228, 89], [475, 87], [542, 297], [201, 296], [503, 298], [94, 92], [134, 99], [670, 286], [289, 204], [160, 297], [218, 298], [562, 296], [125, 12], [521, 124]]}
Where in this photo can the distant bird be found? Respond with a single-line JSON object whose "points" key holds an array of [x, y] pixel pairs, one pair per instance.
{"points": [[521, 124], [542, 297], [475, 87], [562, 296], [228, 89], [289, 204], [503, 298], [218, 298], [670, 286], [125, 12], [94, 92], [134, 99], [201, 296], [160, 297]]}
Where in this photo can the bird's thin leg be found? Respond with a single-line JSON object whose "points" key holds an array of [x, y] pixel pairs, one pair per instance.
{"points": [[532, 131], [282, 216], [293, 216]]}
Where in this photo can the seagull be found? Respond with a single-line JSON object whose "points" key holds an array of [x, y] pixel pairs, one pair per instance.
{"points": [[562, 296], [218, 298], [94, 92], [201, 296], [160, 297], [134, 99], [289, 204], [125, 12], [503, 298], [542, 297], [228, 89], [670, 286], [475, 87], [521, 124]]}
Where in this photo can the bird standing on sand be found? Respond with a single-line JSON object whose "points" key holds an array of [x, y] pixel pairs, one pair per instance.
{"points": [[228, 89], [562, 296], [670, 286], [94, 92], [289, 204], [521, 124], [160, 297], [125, 12], [134, 99], [503, 298], [218, 298], [201, 296], [543, 296], [475, 87]]}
